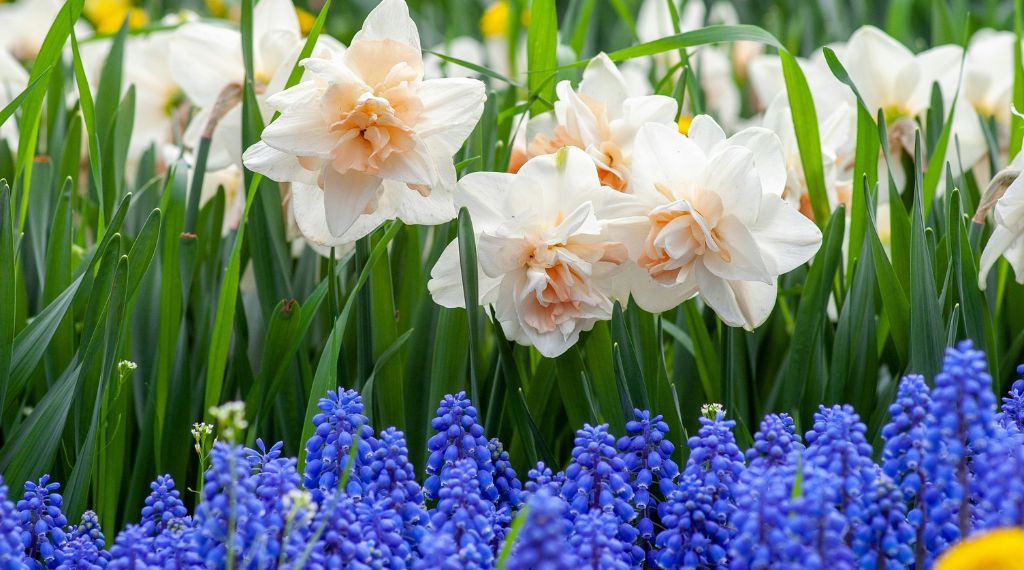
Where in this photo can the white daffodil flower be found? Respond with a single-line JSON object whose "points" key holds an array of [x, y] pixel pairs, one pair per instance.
{"points": [[1007, 239], [987, 86], [601, 118], [158, 114], [894, 80], [206, 59], [988, 74], [716, 222], [549, 250], [364, 138]]}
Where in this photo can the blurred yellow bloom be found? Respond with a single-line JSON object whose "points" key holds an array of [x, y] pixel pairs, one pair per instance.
{"points": [[494, 22], [217, 7], [108, 15], [684, 124], [306, 20], [1000, 549]]}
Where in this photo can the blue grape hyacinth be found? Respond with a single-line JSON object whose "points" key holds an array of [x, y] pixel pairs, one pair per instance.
{"points": [[505, 479], [715, 464], [132, 549], [542, 477], [697, 526], [392, 478], [12, 550], [228, 520], [787, 518], [598, 480], [542, 539], [960, 427], [647, 454], [837, 444], [42, 520], [459, 436], [948, 462], [1011, 414], [882, 537], [339, 424], [163, 506], [462, 521], [595, 542], [775, 443]]}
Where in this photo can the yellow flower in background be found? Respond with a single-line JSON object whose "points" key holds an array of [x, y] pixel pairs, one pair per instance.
{"points": [[108, 15], [306, 20], [997, 550], [494, 22], [217, 7]]}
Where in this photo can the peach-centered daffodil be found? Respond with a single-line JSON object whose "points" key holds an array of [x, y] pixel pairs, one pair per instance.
{"points": [[550, 255], [716, 223], [364, 138], [601, 118]]}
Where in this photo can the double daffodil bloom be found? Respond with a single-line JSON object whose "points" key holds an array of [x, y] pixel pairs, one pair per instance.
{"points": [[550, 249], [716, 223], [601, 118], [364, 138]]}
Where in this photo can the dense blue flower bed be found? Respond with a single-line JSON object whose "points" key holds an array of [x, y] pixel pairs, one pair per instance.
{"points": [[949, 467]]}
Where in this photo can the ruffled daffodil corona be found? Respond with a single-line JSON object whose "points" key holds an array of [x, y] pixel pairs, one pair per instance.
{"points": [[551, 250]]}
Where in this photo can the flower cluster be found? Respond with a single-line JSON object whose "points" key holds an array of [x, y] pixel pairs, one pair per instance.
{"points": [[950, 470]]}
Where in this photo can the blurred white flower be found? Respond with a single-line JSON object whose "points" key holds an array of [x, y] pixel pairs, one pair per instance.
{"points": [[894, 80], [1007, 239], [159, 119], [716, 222], [988, 74], [548, 249], [988, 87], [230, 179], [837, 133], [601, 118], [25, 24], [767, 83], [463, 47], [499, 45], [365, 139], [13, 80], [206, 58]]}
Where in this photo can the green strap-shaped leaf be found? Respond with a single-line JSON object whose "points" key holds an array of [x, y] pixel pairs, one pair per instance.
{"points": [[8, 288], [798, 384], [542, 53], [1016, 120], [805, 125]]}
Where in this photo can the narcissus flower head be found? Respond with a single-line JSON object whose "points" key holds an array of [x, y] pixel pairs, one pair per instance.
{"points": [[600, 117], [365, 138], [716, 223], [550, 250]]}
